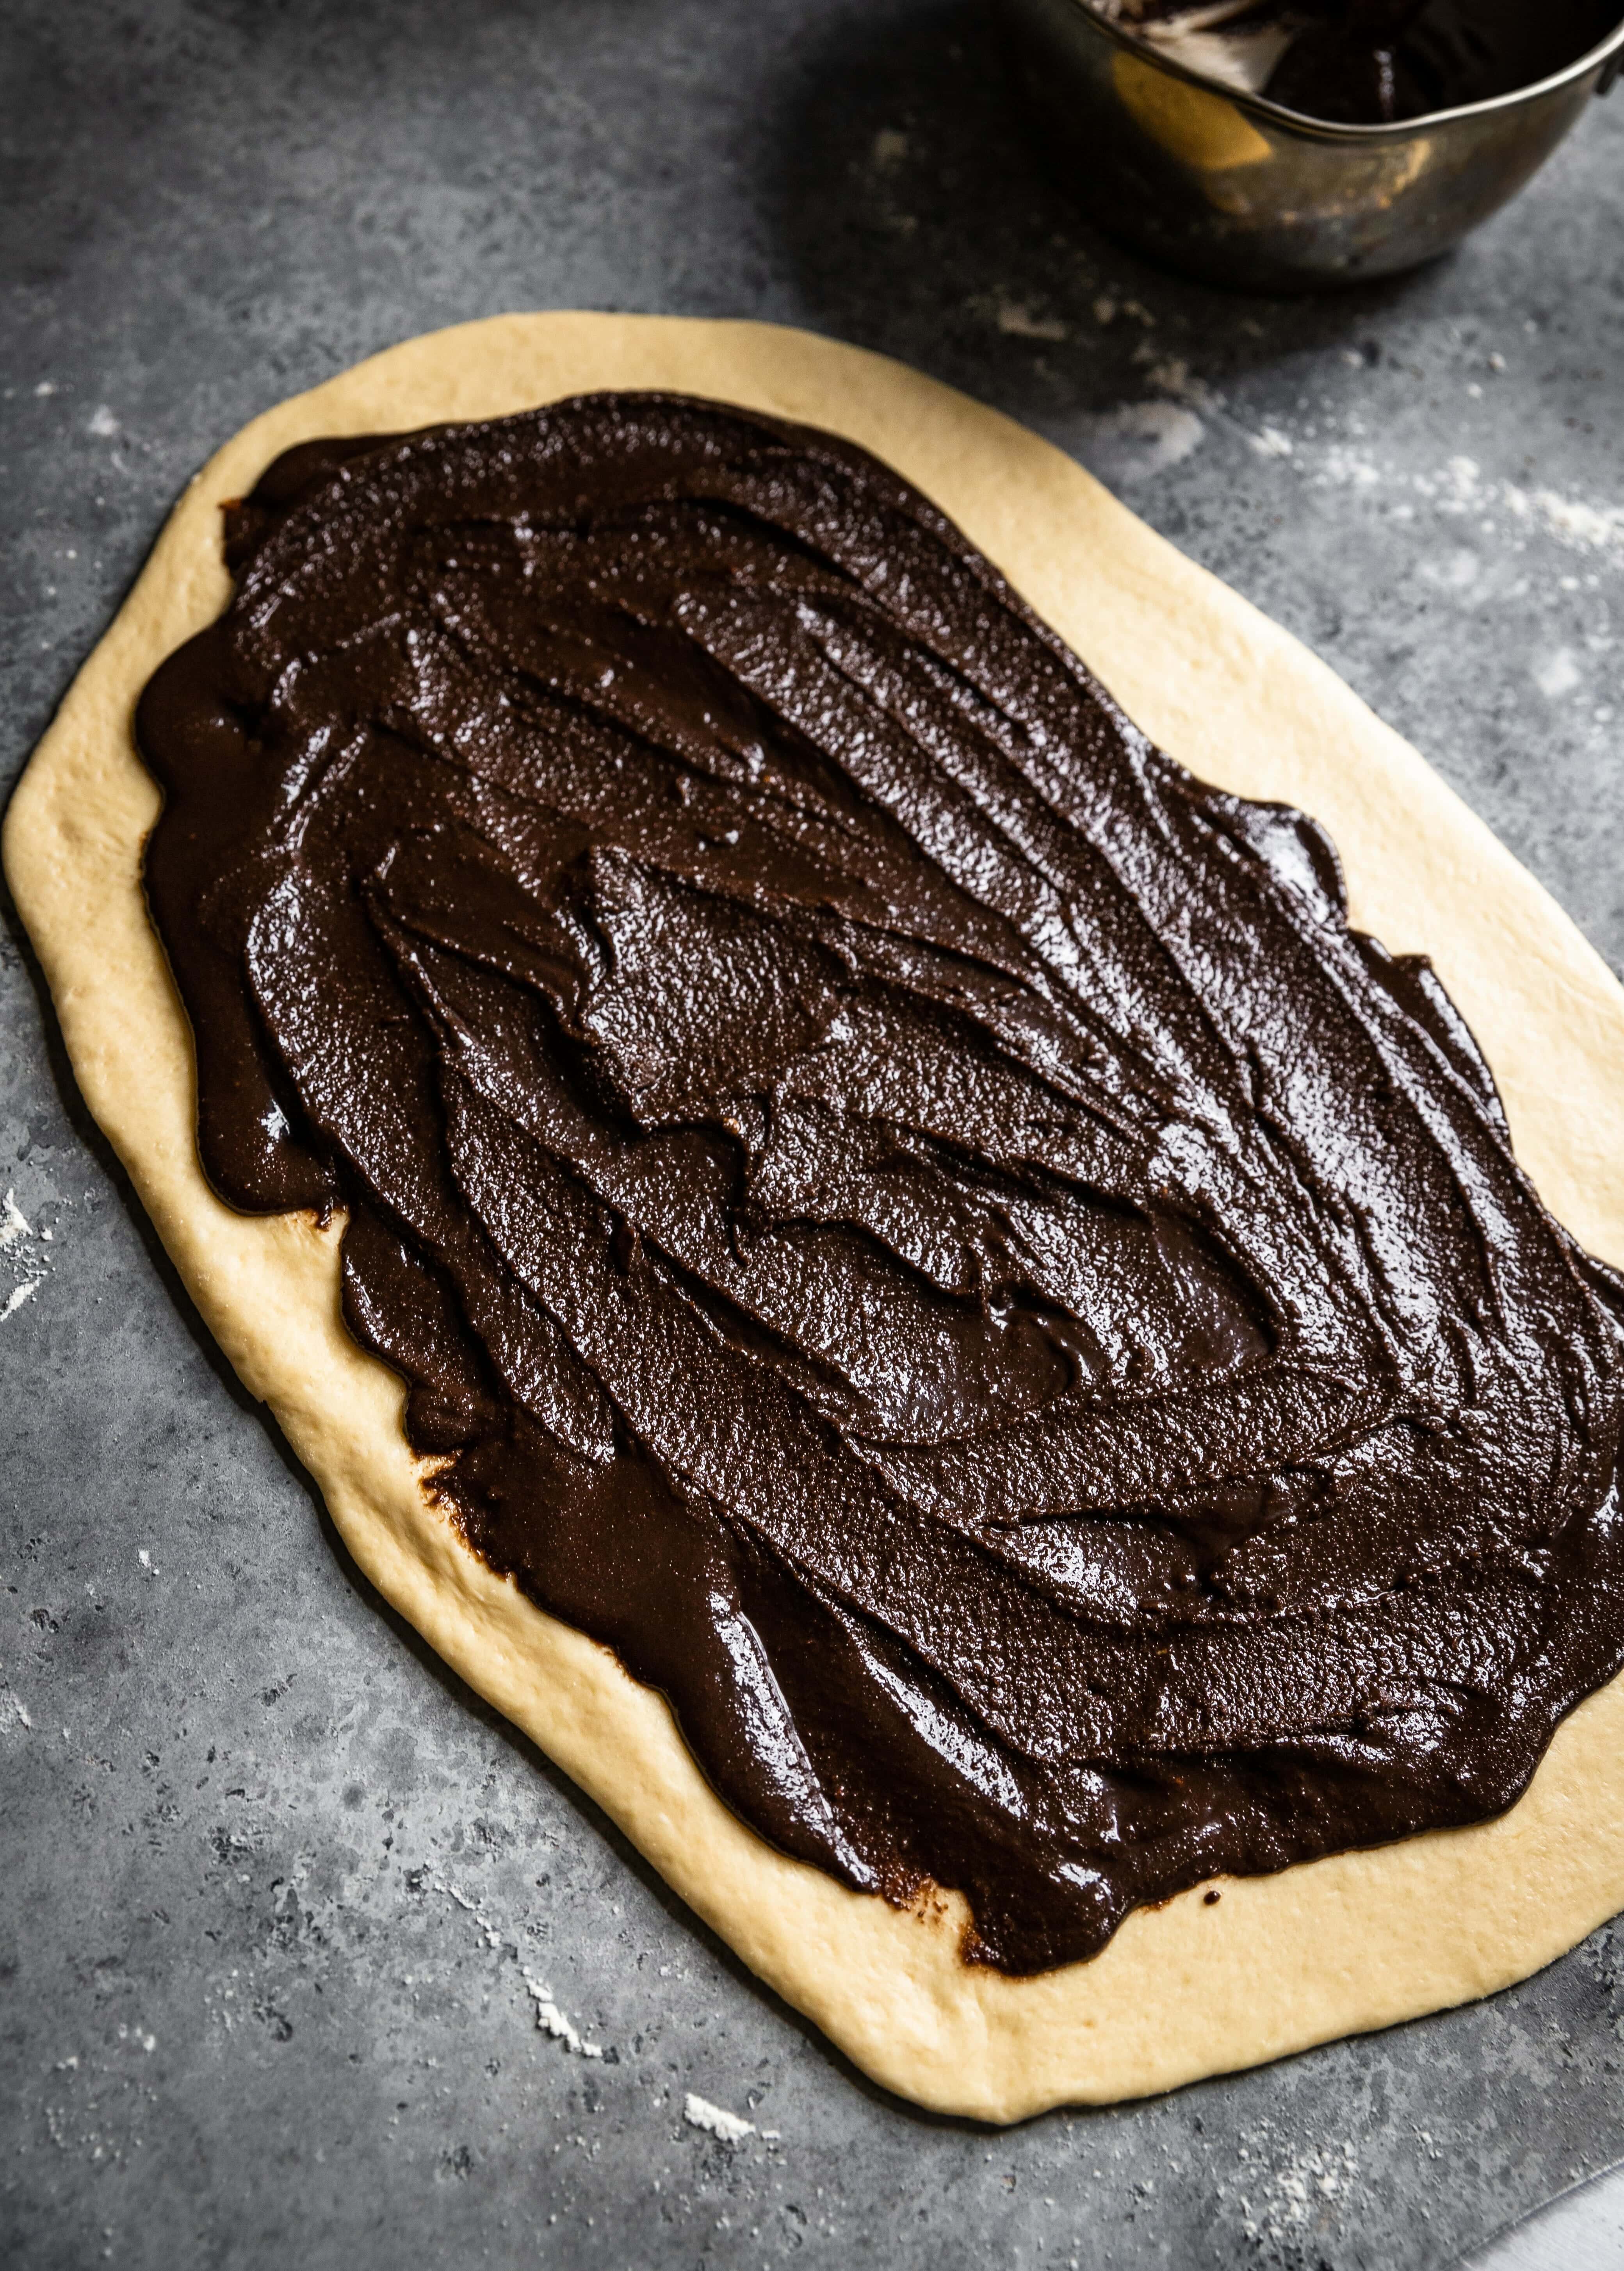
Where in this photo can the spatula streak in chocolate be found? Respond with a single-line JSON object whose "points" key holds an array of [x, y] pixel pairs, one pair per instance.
{"points": [[901, 1212]]}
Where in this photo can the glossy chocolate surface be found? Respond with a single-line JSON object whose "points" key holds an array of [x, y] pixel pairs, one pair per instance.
{"points": [[902, 1212]]}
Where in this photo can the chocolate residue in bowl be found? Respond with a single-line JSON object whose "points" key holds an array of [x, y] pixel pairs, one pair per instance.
{"points": [[1368, 62]]}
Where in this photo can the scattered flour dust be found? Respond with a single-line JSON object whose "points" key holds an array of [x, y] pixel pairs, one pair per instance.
{"points": [[1302, 2197], [22, 1254], [1137, 440], [699, 2113], [1586, 527], [551, 2020], [13, 1223], [1596, 529], [1171, 375], [1125, 446], [1016, 320]]}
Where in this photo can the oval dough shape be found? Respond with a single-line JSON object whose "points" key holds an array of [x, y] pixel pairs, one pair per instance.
{"points": [[1192, 1988]]}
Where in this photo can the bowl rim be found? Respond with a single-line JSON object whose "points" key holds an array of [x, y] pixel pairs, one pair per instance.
{"points": [[1326, 130]]}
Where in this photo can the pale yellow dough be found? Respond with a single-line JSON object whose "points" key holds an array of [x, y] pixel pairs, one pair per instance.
{"points": [[1321, 1950]]}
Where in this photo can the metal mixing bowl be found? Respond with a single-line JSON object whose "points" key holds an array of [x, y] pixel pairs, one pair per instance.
{"points": [[1236, 190]]}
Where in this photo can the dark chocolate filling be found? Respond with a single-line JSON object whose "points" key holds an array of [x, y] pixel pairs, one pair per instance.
{"points": [[902, 1212]]}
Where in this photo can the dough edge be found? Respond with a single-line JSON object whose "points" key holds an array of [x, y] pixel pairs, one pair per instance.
{"points": [[1324, 1949]]}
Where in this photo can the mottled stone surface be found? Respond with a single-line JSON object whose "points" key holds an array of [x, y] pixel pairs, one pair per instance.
{"points": [[282, 1905]]}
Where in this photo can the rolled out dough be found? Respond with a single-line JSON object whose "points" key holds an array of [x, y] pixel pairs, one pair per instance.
{"points": [[1321, 1950]]}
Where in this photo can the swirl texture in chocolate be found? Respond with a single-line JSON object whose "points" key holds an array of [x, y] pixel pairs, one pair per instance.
{"points": [[901, 1211]]}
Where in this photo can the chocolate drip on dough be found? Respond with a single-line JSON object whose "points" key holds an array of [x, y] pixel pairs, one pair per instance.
{"points": [[903, 1213]]}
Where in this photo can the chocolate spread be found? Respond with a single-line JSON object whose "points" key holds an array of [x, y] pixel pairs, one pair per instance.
{"points": [[901, 1212]]}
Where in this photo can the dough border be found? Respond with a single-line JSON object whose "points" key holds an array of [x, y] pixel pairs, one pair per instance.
{"points": [[1324, 1949]]}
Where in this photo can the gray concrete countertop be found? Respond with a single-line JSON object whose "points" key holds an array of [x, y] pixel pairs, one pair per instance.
{"points": [[278, 1896]]}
